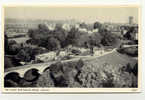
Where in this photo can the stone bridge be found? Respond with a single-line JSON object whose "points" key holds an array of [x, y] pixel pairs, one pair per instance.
{"points": [[41, 67]]}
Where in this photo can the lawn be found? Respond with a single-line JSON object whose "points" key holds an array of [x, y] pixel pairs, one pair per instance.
{"points": [[113, 59]]}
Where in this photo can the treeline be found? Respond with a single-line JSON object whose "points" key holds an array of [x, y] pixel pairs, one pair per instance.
{"points": [[16, 53], [44, 40], [60, 38]]}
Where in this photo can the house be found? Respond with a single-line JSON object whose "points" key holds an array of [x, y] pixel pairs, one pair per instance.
{"points": [[45, 57]]}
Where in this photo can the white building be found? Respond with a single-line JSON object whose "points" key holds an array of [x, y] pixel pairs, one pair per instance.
{"points": [[46, 56]]}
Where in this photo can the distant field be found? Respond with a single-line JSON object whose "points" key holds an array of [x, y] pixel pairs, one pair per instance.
{"points": [[114, 59]]}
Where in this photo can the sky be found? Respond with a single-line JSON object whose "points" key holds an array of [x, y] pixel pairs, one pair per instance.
{"points": [[86, 14]]}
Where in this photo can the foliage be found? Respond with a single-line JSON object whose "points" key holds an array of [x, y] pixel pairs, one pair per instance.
{"points": [[79, 74], [28, 52], [14, 49], [24, 56], [60, 34], [45, 80], [95, 39], [131, 51], [8, 63], [12, 42], [72, 36], [43, 37], [97, 25], [130, 33], [11, 62], [53, 44], [83, 25], [110, 39], [6, 44]]}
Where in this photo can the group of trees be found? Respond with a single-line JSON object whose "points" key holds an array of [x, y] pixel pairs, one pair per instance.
{"points": [[44, 37], [130, 35], [15, 52], [59, 37], [79, 74], [50, 40]]}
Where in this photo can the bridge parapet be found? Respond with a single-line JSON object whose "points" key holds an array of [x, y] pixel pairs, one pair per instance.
{"points": [[41, 67]]}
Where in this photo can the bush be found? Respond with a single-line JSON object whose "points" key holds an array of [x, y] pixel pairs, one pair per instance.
{"points": [[23, 56], [12, 42], [97, 25], [6, 44], [7, 63], [95, 39], [45, 38], [57, 75], [53, 44], [83, 74], [27, 52], [72, 36], [110, 40], [14, 49], [135, 70], [45, 80], [76, 52], [60, 75], [10, 83], [131, 51]]}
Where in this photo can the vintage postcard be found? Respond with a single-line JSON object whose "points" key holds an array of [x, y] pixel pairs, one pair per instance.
{"points": [[71, 48]]}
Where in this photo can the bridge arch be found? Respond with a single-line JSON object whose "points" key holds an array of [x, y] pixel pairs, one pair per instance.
{"points": [[14, 76], [12, 79], [31, 75], [46, 69]]}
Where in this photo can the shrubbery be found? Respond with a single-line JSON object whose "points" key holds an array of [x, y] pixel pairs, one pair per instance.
{"points": [[63, 38], [8, 63], [43, 37], [131, 51], [82, 74], [77, 74]]}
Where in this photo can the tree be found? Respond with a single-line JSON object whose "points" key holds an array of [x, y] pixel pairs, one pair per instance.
{"points": [[12, 42], [7, 62], [14, 49], [96, 39], [83, 25], [60, 34], [23, 56], [30, 33], [43, 27], [6, 44], [72, 36], [110, 39], [97, 25], [52, 44], [130, 33]]}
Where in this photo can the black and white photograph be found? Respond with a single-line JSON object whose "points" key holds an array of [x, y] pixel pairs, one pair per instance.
{"points": [[71, 47]]}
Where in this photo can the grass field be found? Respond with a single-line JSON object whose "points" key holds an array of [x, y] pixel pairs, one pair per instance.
{"points": [[115, 59]]}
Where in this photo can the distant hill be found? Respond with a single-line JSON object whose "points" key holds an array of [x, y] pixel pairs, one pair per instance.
{"points": [[38, 21]]}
